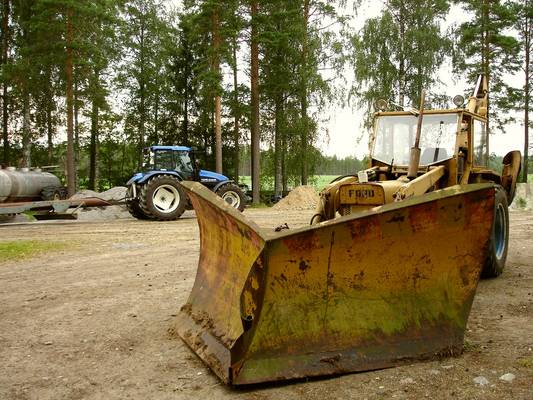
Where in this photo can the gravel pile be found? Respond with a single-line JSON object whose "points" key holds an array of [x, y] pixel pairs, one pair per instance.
{"points": [[114, 194], [300, 198], [103, 213]]}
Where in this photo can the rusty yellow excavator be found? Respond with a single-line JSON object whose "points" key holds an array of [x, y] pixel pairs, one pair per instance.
{"points": [[385, 274]]}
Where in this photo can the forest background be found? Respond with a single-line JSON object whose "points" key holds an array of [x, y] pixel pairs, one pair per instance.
{"points": [[86, 85]]}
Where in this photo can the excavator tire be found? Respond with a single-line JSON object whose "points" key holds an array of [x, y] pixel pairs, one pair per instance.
{"points": [[162, 198], [499, 239], [233, 195]]}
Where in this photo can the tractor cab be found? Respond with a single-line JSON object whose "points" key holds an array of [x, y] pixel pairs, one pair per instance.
{"points": [[170, 158]]}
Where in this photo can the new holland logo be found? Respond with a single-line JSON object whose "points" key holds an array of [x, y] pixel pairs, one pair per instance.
{"points": [[208, 180]]}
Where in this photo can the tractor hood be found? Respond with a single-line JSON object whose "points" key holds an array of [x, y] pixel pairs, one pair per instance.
{"points": [[211, 177]]}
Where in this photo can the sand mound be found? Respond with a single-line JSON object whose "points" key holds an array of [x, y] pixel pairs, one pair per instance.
{"points": [[103, 213], [300, 198]]}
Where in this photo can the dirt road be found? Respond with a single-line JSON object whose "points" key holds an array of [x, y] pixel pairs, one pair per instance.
{"points": [[94, 321]]}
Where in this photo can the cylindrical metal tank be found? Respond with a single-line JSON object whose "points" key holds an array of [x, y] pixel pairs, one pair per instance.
{"points": [[24, 184]]}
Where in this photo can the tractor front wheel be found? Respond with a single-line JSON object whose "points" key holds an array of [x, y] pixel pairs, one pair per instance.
{"points": [[233, 195], [499, 239], [132, 204], [162, 198]]}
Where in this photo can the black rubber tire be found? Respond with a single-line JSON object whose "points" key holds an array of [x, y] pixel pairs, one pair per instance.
{"points": [[233, 195], [132, 204], [151, 209], [499, 237], [5, 218], [51, 193]]}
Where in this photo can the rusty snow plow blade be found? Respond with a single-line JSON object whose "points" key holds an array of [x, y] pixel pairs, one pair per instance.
{"points": [[361, 292]]}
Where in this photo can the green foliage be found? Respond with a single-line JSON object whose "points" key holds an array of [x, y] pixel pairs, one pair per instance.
{"points": [[484, 45], [396, 55], [146, 73]]}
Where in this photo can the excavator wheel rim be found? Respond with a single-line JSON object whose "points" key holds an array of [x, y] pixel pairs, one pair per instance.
{"points": [[160, 202]]}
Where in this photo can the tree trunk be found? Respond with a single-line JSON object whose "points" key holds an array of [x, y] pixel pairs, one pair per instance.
{"points": [[278, 146], [218, 99], [71, 182], [5, 100], [185, 126], [49, 116], [527, 95], [401, 65], [305, 129], [95, 121], [142, 100], [26, 133], [486, 70], [50, 132], [76, 130], [254, 86], [236, 114]]}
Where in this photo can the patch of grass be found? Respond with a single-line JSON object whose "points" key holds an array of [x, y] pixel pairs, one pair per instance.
{"points": [[470, 347], [525, 362], [21, 249], [521, 202]]}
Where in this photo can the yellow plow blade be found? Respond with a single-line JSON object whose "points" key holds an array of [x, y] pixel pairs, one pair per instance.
{"points": [[361, 292]]}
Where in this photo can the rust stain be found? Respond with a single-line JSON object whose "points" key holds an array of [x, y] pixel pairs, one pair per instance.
{"points": [[365, 229], [424, 218]]}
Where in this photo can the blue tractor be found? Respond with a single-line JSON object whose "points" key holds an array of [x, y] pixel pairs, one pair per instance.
{"points": [[156, 193]]}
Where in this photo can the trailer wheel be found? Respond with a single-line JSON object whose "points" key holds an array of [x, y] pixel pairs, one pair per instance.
{"points": [[233, 196], [52, 193], [162, 198], [499, 241], [5, 218], [132, 204]]}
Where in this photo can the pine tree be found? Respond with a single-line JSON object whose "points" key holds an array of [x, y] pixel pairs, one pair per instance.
{"points": [[143, 34], [524, 26], [485, 47]]}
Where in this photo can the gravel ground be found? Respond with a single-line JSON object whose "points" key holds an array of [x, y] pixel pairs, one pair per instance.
{"points": [[94, 321]]}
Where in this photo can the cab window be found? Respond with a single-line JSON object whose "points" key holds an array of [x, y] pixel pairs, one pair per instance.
{"points": [[480, 142], [163, 160]]}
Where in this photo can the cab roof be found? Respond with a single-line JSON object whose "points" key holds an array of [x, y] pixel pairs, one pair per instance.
{"points": [[171, 148]]}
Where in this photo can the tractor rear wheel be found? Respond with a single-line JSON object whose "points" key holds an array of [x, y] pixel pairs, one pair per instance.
{"points": [[232, 195], [162, 198], [499, 239]]}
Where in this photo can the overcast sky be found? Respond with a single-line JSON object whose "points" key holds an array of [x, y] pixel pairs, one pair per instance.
{"points": [[347, 137]]}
